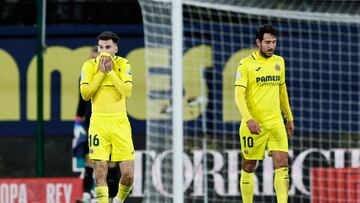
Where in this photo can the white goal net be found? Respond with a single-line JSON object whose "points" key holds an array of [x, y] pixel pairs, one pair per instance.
{"points": [[320, 43]]}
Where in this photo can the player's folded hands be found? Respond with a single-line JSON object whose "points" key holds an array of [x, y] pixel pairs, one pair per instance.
{"points": [[102, 64], [109, 64]]}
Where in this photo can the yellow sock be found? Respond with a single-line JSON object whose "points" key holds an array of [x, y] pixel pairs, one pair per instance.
{"points": [[123, 192], [102, 194], [247, 186], [281, 184]]}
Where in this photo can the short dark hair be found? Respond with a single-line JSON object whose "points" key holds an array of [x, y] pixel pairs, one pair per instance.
{"points": [[262, 29], [108, 35]]}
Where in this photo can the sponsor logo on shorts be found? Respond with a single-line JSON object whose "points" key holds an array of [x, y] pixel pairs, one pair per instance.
{"points": [[246, 152], [91, 151]]}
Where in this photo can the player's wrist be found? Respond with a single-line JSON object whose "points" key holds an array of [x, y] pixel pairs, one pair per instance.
{"points": [[101, 72], [248, 119], [289, 118]]}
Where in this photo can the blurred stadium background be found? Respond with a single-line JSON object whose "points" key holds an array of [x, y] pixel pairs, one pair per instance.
{"points": [[320, 42]]}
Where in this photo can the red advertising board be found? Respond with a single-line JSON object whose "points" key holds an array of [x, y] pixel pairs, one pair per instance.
{"points": [[333, 185], [40, 190]]}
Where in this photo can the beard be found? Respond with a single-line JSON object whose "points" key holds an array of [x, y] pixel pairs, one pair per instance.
{"points": [[266, 54]]}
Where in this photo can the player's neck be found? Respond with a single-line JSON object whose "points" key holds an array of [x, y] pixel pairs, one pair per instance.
{"points": [[262, 56]]}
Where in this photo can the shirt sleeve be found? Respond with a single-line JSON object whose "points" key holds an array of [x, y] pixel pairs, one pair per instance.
{"points": [[240, 91], [90, 81], [282, 68], [284, 103], [241, 103], [81, 107], [125, 88], [284, 98], [87, 73], [126, 73], [122, 77], [241, 75]]}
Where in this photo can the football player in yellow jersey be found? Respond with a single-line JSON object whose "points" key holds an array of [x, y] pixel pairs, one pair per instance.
{"points": [[107, 81], [261, 96]]}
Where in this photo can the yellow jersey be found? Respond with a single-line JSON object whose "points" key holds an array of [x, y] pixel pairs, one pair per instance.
{"points": [[108, 91], [262, 78]]}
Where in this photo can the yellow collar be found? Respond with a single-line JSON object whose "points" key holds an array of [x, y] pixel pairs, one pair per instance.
{"points": [[257, 56]]}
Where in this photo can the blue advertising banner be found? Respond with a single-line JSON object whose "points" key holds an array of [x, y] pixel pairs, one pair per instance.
{"points": [[322, 77]]}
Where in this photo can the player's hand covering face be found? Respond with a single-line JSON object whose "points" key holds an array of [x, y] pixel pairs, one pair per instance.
{"points": [[102, 65], [109, 64], [106, 64]]}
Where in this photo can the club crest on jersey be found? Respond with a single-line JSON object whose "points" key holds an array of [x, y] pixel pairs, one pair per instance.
{"points": [[277, 67], [238, 75]]}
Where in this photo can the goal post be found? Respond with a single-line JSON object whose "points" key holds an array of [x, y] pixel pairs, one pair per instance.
{"points": [[177, 85], [321, 47]]}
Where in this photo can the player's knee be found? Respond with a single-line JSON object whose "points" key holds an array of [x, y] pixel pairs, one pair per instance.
{"points": [[280, 162], [249, 166], [100, 179], [280, 159], [100, 174], [127, 178]]}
